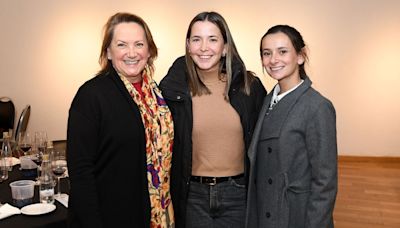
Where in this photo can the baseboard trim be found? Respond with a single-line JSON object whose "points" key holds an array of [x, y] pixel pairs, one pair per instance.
{"points": [[346, 158]]}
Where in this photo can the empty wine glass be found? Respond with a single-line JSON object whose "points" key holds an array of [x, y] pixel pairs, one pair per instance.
{"points": [[40, 146], [41, 142], [59, 167]]}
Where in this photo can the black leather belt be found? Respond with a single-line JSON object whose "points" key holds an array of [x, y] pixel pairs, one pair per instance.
{"points": [[213, 180]]}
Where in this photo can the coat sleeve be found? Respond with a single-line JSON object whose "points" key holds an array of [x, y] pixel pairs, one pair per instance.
{"points": [[82, 140], [322, 151]]}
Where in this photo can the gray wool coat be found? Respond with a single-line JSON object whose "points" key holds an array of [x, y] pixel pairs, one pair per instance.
{"points": [[293, 162]]}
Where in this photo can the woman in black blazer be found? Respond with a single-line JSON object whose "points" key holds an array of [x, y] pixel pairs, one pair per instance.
{"points": [[120, 134]]}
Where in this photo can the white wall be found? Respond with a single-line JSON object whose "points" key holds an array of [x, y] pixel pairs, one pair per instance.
{"points": [[49, 48]]}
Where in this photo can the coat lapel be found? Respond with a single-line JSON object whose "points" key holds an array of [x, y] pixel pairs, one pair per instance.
{"points": [[275, 119]]}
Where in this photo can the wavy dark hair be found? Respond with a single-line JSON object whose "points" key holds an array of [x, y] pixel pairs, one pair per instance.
{"points": [[295, 38]]}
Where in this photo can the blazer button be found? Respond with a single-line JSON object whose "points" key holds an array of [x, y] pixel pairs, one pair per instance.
{"points": [[269, 149], [267, 214], [269, 181]]}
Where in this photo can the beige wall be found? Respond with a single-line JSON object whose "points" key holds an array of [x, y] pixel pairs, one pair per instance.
{"points": [[49, 48]]}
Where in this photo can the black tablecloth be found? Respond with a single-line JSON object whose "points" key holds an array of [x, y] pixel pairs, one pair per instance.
{"points": [[56, 218]]}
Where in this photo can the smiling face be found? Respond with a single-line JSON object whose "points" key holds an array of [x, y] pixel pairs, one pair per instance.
{"points": [[206, 46], [280, 59], [129, 50]]}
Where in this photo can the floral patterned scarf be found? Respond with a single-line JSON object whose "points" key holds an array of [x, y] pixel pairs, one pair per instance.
{"points": [[159, 132]]}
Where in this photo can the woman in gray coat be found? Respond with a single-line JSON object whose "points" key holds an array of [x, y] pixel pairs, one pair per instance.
{"points": [[293, 153]]}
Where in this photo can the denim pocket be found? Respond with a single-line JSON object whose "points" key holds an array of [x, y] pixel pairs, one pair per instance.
{"points": [[239, 182]]}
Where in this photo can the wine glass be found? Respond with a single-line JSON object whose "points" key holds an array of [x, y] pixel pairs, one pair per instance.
{"points": [[58, 166], [40, 145], [41, 142], [25, 142]]}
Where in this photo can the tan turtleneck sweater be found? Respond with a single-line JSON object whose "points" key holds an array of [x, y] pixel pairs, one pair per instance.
{"points": [[218, 146]]}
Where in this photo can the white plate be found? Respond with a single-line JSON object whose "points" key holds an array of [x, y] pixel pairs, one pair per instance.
{"points": [[38, 209]]}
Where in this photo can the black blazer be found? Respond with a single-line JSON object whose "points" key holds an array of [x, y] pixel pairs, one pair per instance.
{"points": [[106, 157]]}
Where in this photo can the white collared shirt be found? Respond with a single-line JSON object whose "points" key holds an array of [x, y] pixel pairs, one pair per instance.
{"points": [[276, 97]]}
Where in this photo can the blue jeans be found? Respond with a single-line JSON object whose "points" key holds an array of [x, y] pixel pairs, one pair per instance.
{"points": [[217, 206]]}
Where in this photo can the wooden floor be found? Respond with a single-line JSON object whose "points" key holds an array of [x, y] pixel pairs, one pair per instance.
{"points": [[369, 193]]}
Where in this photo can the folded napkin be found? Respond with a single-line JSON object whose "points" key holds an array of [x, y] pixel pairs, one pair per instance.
{"points": [[63, 199], [14, 161], [7, 210], [27, 163]]}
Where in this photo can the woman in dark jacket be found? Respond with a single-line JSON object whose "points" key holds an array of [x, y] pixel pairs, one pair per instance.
{"points": [[293, 153], [120, 136], [215, 103]]}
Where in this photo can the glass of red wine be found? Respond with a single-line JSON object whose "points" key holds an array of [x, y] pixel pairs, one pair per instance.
{"points": [[59, 167], [25, 142]]}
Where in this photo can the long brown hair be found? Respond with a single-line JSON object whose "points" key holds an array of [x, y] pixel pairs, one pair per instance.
{"points": [[197, 87], [109, 28]]}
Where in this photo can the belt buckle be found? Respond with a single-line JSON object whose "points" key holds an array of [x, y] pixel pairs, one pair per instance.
{"points": [[214, 181]]}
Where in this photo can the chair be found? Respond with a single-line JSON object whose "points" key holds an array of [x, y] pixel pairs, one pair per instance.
{"points": [[7, 115], [22, 122]]}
